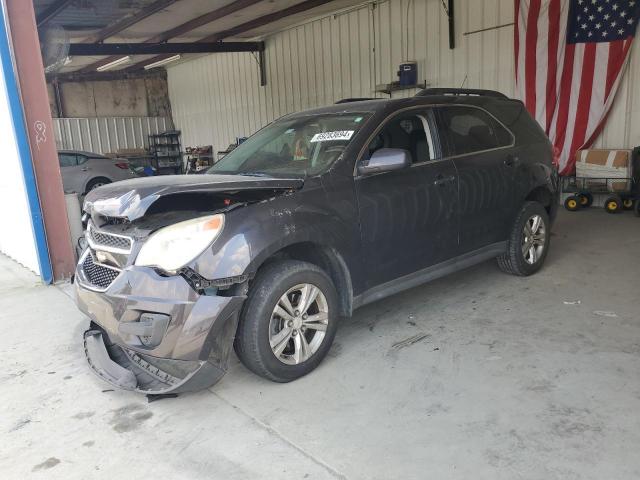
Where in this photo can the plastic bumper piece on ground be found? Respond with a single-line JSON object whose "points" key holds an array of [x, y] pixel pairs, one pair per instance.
{"points": [[128, 370]]}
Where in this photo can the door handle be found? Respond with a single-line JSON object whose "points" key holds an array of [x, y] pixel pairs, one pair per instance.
{"points": [[85, 169], [511, 160], [441, 180]]}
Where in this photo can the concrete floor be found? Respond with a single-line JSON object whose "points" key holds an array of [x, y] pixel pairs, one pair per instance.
{"points": [[479, 375]]}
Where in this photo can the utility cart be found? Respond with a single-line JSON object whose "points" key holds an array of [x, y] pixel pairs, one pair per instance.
{"points": [[619, 193]]}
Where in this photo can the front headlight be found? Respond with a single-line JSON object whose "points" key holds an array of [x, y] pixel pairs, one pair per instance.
{"points": [[172, 247]]}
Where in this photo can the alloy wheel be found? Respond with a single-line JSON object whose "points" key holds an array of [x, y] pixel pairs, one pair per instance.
{"points": [[298, 324], [534, 237]]}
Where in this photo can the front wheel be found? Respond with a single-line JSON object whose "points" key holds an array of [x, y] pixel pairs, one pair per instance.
{"points": [[288, 322], [528, 243]]}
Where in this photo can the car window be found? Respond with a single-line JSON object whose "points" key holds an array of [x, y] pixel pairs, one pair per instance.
{"points": [[82, 159], [67, 159], [472, 130], [300, 146], [409, 132]]}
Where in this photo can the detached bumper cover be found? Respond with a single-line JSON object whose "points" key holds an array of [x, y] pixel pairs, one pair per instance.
{"points": [[154, 334], [125, 369]]}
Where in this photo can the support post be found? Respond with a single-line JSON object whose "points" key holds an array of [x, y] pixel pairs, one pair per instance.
{"points": [[263, 67], [452, 25], [37, 114]]}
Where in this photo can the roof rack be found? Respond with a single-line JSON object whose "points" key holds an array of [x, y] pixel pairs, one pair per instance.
{"points": [[349, 100], [460, 91]]}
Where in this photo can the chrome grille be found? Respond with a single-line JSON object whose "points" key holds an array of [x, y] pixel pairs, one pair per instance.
{"points": [[98, 275], [108, 241]]}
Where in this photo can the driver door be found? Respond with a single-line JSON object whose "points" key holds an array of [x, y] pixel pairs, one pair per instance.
{"points": [[408, 217]]}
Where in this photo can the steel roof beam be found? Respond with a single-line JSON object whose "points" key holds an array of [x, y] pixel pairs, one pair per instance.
{"points": [[185, 27], [247, 26], [129, 20], [51, 11], [120, 49]]}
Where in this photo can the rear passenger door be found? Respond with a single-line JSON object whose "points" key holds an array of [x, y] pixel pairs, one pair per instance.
{"points": [[72, 174], [408, 217], [480, 148]]}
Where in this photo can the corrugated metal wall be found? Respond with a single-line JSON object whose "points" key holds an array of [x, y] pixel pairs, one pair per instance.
{"points": [[107, 134], [217, 98]]}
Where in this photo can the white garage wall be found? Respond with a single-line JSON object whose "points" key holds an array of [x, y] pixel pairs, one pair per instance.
{"points": [[16, 234], [217, 98]]}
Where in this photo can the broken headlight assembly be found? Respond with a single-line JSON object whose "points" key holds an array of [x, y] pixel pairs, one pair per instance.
{"points": [[172, 247]]}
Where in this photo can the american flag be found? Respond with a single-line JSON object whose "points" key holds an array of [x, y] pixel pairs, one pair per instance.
{"points": [[570, 57]]}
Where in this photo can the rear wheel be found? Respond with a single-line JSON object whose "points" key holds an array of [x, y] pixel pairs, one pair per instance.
{"points": [[97, 182], [627, 203], [288, 322], [528, 242]]}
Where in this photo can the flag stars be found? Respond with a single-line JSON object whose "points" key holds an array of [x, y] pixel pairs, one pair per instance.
{"points": [[592, 17], [614, 23], [620, 31], [604, 33], [583, 26], [607, 16], [600, 8], [614, 7], [598, 26], [623, 14]]}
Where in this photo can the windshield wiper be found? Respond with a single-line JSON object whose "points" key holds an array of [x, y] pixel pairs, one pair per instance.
{"points": [[254, 174]]}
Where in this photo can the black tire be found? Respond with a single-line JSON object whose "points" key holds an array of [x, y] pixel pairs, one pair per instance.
{"points": [[514, 261], [252, 338], [613, 204], [636, 208], [586, 199], [628, 203], [572, 203], [97, 182]]}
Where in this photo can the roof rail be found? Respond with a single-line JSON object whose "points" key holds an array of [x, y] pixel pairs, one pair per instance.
{"points": [[460, 91], [349, 100]]}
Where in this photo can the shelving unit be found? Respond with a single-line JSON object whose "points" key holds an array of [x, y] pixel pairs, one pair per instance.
{"points": [[198, 158], [166, 150]]}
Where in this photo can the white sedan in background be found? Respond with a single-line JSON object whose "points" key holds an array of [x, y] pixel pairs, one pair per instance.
{"points": [[84, 171]]}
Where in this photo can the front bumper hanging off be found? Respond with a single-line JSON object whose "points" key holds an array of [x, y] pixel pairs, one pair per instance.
{"points": [[128, 370], [156, 335]]}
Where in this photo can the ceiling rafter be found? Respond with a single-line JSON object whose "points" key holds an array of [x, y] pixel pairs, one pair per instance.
{"points": [[129, 20], [52, 11], [184, 28], [245, 27]]}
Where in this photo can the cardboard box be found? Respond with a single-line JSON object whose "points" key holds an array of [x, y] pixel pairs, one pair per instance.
{"points": [[601, 164]]}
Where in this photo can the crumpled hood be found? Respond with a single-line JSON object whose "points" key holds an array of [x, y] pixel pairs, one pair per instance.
{"points": [[130, 199]]}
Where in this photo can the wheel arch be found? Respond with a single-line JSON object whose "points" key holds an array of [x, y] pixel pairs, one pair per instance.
{"points": [[542, 195], [93, 179], [328, 259]]}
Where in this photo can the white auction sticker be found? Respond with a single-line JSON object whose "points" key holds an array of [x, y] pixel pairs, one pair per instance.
{"points": [[328, 136]]}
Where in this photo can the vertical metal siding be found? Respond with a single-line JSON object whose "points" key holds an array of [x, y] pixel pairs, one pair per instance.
{"points": [[218, 97], [107, 134]]}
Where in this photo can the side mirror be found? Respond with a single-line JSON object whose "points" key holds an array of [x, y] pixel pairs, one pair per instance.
{"points": [[386, 160]]}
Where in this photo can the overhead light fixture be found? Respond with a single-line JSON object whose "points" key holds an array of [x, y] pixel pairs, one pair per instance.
{"points": [[160, 63], [115, 63]]}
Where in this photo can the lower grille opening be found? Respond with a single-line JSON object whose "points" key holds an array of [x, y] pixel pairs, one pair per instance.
{"points": [[97, 274]]}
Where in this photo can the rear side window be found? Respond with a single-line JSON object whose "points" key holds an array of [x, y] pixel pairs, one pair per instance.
{"points": [[469, 130], [67, 159]]}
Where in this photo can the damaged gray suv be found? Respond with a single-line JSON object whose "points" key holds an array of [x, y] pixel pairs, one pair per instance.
{"points": [[312, 217]]}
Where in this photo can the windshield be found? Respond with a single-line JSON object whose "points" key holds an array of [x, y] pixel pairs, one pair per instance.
{"points": [[300, 146]]}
